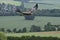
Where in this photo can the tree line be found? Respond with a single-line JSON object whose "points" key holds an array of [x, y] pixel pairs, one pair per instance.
{"points": [[48, 12], [34, 28], [4, 37], [32, 38]]}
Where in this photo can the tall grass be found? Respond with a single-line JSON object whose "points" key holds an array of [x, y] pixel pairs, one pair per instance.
{"points": [[2, 36]]}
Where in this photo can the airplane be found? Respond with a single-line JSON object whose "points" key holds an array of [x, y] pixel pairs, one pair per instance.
{"points": [[33, 9], [30, 12]]}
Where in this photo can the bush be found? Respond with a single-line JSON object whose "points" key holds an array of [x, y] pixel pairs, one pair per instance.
{"points": [[33, 38], [14, 30], [8, 30], [49, 27], [19, 31], [35, 28], [2, 36], [58, 28], [2, 29], [24, 29]]}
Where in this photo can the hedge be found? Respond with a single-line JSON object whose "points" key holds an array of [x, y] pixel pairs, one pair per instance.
{"points": [[32, 38]]}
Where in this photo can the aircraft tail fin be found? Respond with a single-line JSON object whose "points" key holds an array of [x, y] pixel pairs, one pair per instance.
{"points": [[36, 6]]}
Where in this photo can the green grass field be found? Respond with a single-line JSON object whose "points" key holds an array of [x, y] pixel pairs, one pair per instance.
{"points": [[41, 34], [10, 22]]}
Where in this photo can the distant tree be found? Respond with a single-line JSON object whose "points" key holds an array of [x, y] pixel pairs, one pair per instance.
{"points": [[24, 29], [14, 30], [58, 28], [49, 27], [35, 29], [49, 24], [19, 31], [52, 28], [46, 28], [8, 30], [2, 29]]}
